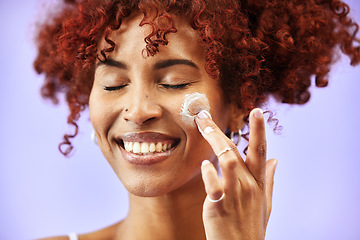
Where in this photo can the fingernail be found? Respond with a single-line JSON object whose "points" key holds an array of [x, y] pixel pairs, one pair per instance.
{"points": [[204, 114], [275, 163], [208, 130], [205, 162], [258, 113]]}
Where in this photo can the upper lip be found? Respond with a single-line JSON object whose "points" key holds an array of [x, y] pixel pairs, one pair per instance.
{"points": [[145, 137]]}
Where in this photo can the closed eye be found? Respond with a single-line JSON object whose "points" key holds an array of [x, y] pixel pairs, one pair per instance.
{"points": [[176, 86], [106, 88]]}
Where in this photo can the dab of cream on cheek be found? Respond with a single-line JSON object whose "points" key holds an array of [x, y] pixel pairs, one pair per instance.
{"points": [[192, 105]]}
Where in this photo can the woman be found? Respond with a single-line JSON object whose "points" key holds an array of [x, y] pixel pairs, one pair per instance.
{"points": [[136, 63]]}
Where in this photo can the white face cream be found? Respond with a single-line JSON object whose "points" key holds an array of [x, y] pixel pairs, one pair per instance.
{"points": [[192, 105]]}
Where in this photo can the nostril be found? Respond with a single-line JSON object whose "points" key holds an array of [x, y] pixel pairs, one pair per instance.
{"points": [[139, 111], [150, 119]]}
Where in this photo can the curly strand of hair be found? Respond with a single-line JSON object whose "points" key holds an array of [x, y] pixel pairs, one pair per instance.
{"points": [[342, 10], [66, 147], [116, 12], [246, 134], [164, 25], [151, 12], [248, 93], [76, 107], [270, 119], [66, 143], [274, 122], [49, 89], [108, 49], [198, 8], [212, 66], [87, 50], [202, 23]]}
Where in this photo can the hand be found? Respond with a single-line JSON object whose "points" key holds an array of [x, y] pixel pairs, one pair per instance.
{"points": [[244, 211]]}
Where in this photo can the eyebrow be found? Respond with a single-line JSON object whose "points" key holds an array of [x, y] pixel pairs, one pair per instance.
{"points": [[158, 65], [112, 63], [172, 62]]}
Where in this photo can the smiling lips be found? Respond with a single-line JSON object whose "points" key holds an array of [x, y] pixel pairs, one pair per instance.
{"points": [[146, 148]]}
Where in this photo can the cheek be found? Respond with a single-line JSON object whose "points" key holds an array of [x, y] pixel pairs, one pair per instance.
{"points": [[95, 111], [101, 117], [101, 113]]}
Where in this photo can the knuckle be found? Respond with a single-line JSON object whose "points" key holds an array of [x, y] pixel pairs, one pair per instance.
{"points": [[262, 150], [229, 163], [216, 193], [250, 186], [260, 184]]}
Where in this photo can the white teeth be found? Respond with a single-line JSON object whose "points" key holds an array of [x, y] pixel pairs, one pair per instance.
{"points": [[158, 147], [152, 147], [145, 147], [136, 147]]}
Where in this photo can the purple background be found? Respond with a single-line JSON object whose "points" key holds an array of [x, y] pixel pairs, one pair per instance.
{"points": [[317, 188]]}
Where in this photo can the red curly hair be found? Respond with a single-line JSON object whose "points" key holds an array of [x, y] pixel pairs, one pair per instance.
{"points": [[255, 48]]}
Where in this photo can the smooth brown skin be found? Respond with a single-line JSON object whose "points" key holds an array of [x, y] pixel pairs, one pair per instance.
{"points": [[245, 210], [168, 199]]}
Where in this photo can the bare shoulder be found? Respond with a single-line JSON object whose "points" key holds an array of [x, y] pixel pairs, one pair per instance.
{"points": [[107, 233], [55, 238]]}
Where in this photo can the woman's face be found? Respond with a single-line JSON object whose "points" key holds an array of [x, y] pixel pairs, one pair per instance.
{"points": [[136, 101]]}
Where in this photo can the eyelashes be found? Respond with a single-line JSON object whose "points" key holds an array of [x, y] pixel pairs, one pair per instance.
{"points": [[175, 86], [106, 88], [166, 86]]}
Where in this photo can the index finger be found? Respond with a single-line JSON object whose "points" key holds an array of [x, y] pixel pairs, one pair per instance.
{"points": [[212, 133], [232, 165]]}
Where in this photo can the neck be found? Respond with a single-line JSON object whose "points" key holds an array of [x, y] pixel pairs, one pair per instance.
{"points": [[175, 215]]}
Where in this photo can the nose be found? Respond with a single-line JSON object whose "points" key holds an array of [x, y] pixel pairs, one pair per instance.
{"points": [[141, 107]]}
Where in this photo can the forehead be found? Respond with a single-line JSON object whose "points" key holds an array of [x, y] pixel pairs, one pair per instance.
{"points": [[130, 39]]}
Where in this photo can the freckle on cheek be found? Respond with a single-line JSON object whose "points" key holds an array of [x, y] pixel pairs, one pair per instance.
{"points": [[192, 105]]}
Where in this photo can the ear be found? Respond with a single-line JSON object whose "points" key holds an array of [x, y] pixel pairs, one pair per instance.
{"points": [[236, 119]]}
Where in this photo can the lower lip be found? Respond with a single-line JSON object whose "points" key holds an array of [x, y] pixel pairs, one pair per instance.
{"points": [[145, 159]]}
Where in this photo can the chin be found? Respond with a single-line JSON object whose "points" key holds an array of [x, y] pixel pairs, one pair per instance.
{"points": [[149, 185], [147, 190]]}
